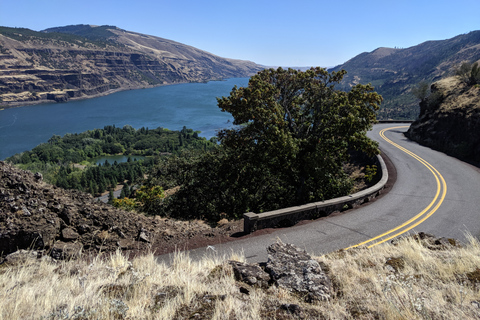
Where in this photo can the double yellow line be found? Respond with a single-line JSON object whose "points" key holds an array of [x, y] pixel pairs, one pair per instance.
{"points": [[422, 216]]}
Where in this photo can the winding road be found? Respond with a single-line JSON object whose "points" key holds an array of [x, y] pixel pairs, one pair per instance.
{"points": [[433, 193]]}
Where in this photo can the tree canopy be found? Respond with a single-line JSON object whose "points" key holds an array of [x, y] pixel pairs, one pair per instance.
{"points": [[294, 132]]}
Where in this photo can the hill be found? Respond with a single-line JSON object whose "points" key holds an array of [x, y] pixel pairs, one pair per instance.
{"points": [[450, 119], [79, 61], [394, 72]]}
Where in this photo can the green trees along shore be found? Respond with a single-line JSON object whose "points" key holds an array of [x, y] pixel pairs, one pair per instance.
{"points": [[292, 141], [67, 161]]}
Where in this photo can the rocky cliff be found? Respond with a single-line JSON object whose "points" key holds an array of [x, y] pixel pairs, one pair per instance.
{"points": [[81, 61], [450, 119]]}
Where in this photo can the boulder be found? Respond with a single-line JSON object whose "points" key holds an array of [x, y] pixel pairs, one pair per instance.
{"points": [[290, 268], [250, 274], [65, 250], [20, 257], [293, 269], [68, 234]]}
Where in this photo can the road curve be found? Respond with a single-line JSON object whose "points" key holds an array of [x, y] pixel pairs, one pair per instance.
{"points": [[433, 193]]}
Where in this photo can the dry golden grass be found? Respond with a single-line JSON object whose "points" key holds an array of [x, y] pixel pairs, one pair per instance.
{"points": [[403, 281]]}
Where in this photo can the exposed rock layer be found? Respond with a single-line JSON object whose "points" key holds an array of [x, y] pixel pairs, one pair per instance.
{"points": [[450, 119], [36, 68]]}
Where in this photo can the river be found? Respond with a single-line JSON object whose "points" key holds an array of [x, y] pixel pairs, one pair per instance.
{"points": [[192, 105]]}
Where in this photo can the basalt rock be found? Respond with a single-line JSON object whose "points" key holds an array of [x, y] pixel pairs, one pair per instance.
{"points": [[295, 270], [290, 268], [36, 215], [450, 120], [36, 68], [250, 274]]}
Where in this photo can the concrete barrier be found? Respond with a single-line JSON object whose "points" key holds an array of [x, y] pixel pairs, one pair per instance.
{"points": [[290, 216]]}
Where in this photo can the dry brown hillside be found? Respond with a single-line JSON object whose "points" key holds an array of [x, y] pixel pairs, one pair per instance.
{"points": [[450, 119]]}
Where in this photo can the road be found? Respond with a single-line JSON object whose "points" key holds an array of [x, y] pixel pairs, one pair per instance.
{"points": [[433, 193]]}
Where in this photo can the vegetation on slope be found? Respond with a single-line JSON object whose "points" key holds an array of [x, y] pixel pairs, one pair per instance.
{"points": [[394, 72], [67, 161], [411, 279]]}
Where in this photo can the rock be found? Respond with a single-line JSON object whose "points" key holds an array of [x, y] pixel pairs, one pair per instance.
{"points": [[68, 234], [21, 256], [34, 214], [38, 176], [65, 250], [72, 70], [250, 274], [126, 244], [449, 119], [143, 235], [293, 269]]}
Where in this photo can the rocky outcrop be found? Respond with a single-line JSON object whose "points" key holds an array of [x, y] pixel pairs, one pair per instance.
{"points": [[290, 268], [36, 67], [450, 119], [35, 215], [64, 223]]}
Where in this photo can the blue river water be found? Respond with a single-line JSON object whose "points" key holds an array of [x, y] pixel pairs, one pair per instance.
{"points": [[192, 105]]}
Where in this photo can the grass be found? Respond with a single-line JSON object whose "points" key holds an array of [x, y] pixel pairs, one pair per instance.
{"points": [[403, 281]]}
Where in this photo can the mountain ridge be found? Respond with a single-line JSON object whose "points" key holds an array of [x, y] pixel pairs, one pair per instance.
{"points": [[63, 63], [394, 72]]}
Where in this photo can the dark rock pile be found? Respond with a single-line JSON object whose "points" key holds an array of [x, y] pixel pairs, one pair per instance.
{"points": [[36, 215]]}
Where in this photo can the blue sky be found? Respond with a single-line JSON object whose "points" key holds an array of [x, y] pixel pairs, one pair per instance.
{"points": [[273, 33]]}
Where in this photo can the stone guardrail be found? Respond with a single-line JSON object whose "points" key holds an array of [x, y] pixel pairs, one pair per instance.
{"points": [[290, 216]]}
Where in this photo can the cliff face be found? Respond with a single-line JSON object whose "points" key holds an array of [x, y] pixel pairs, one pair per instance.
{"points": [[450, 119], [60, 65]]}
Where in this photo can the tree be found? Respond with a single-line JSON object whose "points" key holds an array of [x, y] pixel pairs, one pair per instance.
{"points": [[298, 127], [469, 73], [294, 132], [110, 196], [421, 90]]}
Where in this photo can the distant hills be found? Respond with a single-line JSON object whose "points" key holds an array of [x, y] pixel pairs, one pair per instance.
{"points": [[394, 72], [62, 63]]}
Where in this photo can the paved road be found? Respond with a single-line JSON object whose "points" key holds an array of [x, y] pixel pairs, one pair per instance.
{"points": [[433, 193]]}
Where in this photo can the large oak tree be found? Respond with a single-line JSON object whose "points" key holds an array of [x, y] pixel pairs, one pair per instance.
{"points": [[294, 132]]}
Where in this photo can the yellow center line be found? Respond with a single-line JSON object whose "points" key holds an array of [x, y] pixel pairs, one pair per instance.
{"points": [[425, 213]]}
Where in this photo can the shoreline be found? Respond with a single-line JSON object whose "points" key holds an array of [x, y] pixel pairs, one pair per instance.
{"points": [[12, 105]]}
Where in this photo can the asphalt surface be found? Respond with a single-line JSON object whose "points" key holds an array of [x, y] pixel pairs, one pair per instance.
{"points": [[434, 193]]}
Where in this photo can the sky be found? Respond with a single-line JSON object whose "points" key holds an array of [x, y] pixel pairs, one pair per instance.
{"points": [[289, 33]]}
